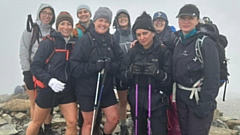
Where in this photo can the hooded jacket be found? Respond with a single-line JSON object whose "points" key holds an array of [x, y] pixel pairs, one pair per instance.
{"points": [[82, 28], [26, 39]]}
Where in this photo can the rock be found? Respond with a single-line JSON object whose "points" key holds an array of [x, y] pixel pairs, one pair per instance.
{"points": [[219, 123], [222, 131], [16, 105], [232, 123], [20, 116], [58, 122], [8, 118], [8, 130], [2, 122]]}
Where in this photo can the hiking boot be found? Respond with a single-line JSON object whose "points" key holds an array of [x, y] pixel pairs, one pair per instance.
{"points": [[48, 131], [124, 130], [40, 132]]}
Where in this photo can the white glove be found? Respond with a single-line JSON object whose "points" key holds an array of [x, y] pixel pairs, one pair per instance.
{"points": [[56, 85]]}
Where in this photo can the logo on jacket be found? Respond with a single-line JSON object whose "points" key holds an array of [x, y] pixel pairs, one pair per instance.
{"points": [[185, 53]]}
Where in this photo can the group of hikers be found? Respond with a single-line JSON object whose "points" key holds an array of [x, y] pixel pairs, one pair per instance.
{"points": [[154, 69]]}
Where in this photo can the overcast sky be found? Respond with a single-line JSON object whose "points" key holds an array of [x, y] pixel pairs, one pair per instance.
{"points": [[14, 14]]}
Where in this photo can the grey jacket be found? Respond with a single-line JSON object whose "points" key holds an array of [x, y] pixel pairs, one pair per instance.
{"points": [[26, 39]]}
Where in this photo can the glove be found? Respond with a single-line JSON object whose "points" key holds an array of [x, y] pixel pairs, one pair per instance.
{"points": [[56, 85], [28, 79], [203, 109], [108, 64], [151, 69], [99, 65], [136, 68]]}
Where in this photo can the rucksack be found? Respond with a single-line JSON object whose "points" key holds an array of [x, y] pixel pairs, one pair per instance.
{"points": [[211, 30], [36, 34]]}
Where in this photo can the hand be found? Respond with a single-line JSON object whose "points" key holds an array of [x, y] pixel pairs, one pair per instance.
{"points": [[133, 43], [108, 64], [28, 79], [56, 85], [136, 68], [99, 65], [150, 69]]}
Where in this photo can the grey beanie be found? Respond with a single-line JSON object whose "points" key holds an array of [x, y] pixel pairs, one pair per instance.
{"points": [[103, 12], [84, 7]]}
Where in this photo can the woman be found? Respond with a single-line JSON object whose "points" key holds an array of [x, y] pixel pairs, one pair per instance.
{"points": [[148, 63], [124, 36], [28, 48], [164, 33], [163, 30], [51, 69], [192, 78], [94, 52]]}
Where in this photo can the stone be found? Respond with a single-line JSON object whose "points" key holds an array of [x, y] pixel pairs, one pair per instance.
{"points": [[222, 131], [232, 123], [20, 116], [8, 130], [16, 105]]}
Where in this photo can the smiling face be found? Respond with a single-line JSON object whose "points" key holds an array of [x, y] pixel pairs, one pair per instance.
{"points": [[123, 20], [46, 15], [145, 37], [65, 27], [187, 23], [159, 24], [101, 25], [83, 15]]}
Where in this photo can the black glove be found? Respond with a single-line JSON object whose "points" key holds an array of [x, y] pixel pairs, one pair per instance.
{"points": [[99, 65], [203, 109], [28, 79], [136, 68], [108, 64], [152, 69]]}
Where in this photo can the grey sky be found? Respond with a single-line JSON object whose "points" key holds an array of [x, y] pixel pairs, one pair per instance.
{"points": [[14, 14]]}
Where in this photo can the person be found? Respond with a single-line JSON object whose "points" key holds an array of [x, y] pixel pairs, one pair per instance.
{"points": [[19, 89], [148, 62], [192, 78], [124, 35], [164, 32], [45, 19], [85, 23], [50, 67], [94, 52], [207, 20]]}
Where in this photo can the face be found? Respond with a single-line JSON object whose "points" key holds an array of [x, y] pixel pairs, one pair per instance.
{"points": [[101, 25], [46, 15], [65, 27], [187, 23], [159, 24], [145, 37], [83, 15], [123, 20]]}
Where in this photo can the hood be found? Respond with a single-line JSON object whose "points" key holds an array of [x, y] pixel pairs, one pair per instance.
{"points": [[41, 7], [115, 22]]}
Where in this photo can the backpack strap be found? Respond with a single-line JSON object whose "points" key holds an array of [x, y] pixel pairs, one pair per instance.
{"points": [[80, 33], [198, 51]]}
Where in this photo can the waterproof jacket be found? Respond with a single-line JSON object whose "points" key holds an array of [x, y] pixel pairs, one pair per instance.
{"points": [[84, 57], [27, 36], [58, 66], [187, 70], [82, 28]]}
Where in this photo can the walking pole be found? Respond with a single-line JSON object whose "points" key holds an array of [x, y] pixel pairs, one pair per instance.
{"points": [[136, 107], [98, 98], [149, 104]]}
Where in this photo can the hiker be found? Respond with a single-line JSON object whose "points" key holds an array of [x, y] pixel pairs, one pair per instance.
{"points": [[50, 67], [92, 53], [45, 19], [196, 84], [85, 23], [148, 63], [123, 34], [165, 33]]}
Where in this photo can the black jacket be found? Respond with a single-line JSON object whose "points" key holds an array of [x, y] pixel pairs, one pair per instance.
{"points": [[84, 57], [187, 70], [58, 66]]}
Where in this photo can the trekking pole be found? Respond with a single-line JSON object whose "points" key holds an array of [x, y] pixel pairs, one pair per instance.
{"points": [[98, 98], [149, 104], [136, 107]]}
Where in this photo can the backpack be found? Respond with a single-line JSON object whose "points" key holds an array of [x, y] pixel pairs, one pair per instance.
{"points": [[211, 30], [36, 34]]}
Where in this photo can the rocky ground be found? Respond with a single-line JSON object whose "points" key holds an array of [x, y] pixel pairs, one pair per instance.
{"points": [[14, 117]]}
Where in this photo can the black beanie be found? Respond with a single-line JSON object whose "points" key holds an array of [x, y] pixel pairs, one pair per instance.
{"points": [[143, 22]]}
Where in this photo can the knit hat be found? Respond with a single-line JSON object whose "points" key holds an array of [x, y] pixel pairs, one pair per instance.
{"points": [[190, 10], [160, 14], [103, 12], [64, 15], [143, 22], [84, 7]]}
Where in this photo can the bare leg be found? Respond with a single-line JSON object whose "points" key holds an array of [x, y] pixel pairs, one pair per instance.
{"points": [[122, 104], [31, 96], [87, 122], [112, 118]]}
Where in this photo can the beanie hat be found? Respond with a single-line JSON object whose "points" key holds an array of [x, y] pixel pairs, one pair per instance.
{"points": [[160, 14], [143, 22], [190, 10], [103, 12], [64, 15], [84, 7]]}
